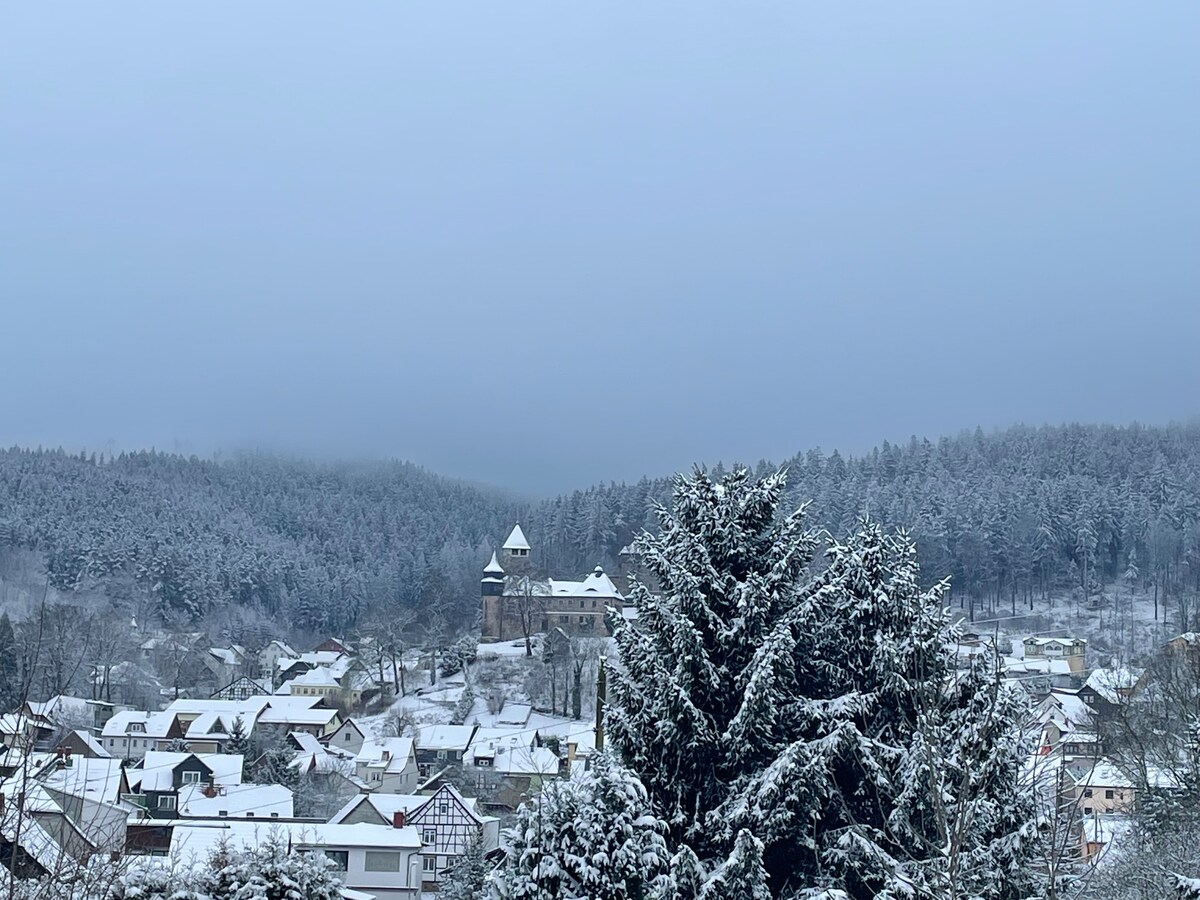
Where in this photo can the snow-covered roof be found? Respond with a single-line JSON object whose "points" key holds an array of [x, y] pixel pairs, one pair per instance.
{"points": [[194, 842], [217, 725], [1044, 641], [34, 840], [597, 585], [61, 706], [1013, 665], [236, 801], [494, 567], [284, 646], [514, 714], [290, 715], [516, 540], [93, 779], [359, 835], [311, 658], [226, 655], [386, 805], [248, 708], [318, 677], [90, 742], [390, 754], [444, 737], [1105, 775], [158, 767], [1065, 707], [1105, 829], [140, 723], [1110, 683]]}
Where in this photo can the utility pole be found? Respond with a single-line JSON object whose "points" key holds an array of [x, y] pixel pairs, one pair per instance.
{"points": [[601, 697]]}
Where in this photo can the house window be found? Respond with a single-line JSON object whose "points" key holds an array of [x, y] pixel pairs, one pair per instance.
{"points": [[346, 737], [562, 619], [191, 777], [1088, 792], [381, 861], [443, 808], [1108, 795], [428, 835], [428, 864], [1087, 810], [222, 813], [441, 754], [166, 801], [339, 858]]}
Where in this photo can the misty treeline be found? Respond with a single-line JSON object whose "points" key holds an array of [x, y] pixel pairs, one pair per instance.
{"points": [[315, 545], [1013, 516]]}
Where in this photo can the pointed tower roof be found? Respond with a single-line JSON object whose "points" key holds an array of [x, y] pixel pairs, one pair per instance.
{"points": [[516, 540], [494, 567]]}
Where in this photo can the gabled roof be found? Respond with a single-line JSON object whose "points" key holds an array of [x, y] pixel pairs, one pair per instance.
{"points": [[290, 715], [318, 677], [391, 754], [158, 768], [516, 540], [596, 586], [152, 724], [1109, 683], [384, 805], [236, 800], [444, 737], [445, 793], [93, 746], [93, 779]]}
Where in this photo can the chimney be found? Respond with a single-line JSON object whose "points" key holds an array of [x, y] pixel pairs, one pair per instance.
{"points": [[210, 790], [398, 819]]}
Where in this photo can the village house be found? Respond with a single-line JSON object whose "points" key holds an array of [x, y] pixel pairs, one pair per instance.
{"points": [[269, 657], [1072, 650], [448, 823], [387, 765], [155, 786], [348, 737], [438, 746], [506, 769], [132, 733], [377, 860], [1107, 689], [242, 688]]}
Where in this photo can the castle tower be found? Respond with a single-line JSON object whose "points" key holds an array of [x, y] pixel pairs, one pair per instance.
{"points": [[516, 547], [491, 590]]}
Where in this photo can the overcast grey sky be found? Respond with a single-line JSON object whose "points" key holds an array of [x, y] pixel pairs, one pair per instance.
{"points": [[542, 243]]}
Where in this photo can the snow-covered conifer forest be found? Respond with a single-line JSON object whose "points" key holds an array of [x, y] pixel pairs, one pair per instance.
{"points": [[963, 669]]}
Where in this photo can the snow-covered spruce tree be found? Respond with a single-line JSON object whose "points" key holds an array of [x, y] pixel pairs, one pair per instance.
{"points": [[592, 837], [269, 871], [464, 878], [741, 876], [238, 743], [153, 880], [815, 706], [687, 876]]}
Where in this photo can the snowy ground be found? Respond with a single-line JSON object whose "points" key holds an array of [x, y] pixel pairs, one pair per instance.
{"points": [[1122, 630], [501, 669]]}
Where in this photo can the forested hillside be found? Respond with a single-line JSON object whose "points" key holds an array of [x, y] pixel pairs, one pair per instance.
{"points": [[1012, 516], [312, 543]]}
